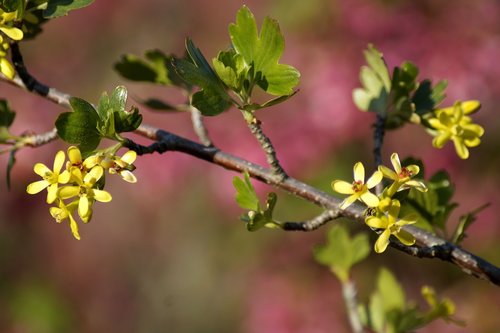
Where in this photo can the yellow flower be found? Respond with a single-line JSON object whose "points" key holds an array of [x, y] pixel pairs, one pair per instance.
{"points": [[392, 226], [358, 189], [115, 164], [401, 176], [452, 124], [124, 165], [63, 212], [6, 27], [51, 178], [86, 191], [6, 67]]}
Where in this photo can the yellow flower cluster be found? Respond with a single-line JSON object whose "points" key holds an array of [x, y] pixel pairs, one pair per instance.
{"points": [[385, 209], [7, 28], [80, 182], [453, 123]]}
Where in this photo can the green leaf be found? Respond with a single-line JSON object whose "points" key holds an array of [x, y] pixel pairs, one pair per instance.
{"points": [[57, 8], [80, 126], [156, 68], [390, 290], [7, 116], [341, 252], [127, 121], [11, 5], [212, 99], [434, 207], [158, 105], [257, 220], [465, 222], [263, 52], [376, 83], [245, 193], [426, 98]]}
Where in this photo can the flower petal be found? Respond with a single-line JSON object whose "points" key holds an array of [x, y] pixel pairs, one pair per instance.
{"points": [[74, 155], [396, 163], [42, 170], [359, 172], [377, 223], [94, 175], [37, 186], [64, 177], [343, 187], [129, 157], [83, 207], [414, 169], [370, 199], [59, 161], [418, 185], [471, 106], [128, 176], [408, 219], [102, 196], [52, 193], [461, 148], [388, 173], [58, 214], [12, 32], [394, 211], [405, 237], [440, 139], [382, 241], [7, 69], [67, 192], [348, 201], [74, 227], [374, 179]]}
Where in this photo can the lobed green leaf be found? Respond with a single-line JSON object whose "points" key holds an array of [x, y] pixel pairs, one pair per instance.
{"points": [[263, 52]]}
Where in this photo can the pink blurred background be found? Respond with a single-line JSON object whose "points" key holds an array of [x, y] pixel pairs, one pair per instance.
{"points": [[169, 254]]}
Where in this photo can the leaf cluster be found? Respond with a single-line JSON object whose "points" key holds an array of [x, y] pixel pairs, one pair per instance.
{"points": [[246, 197], [33, 13], [388, 310], [253, 60], [86, 125], [435, 206], [399, 98]]}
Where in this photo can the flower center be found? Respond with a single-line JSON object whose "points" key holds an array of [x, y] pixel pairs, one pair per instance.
{"points": [[405, 173], [358, 186]]}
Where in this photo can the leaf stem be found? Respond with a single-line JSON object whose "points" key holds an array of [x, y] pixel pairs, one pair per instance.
{"points": [[349, 293]]}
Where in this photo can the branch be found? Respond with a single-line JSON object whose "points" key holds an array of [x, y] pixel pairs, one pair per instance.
{"points": [[427, 245], [26, 81], [267, 146], [312, 224]]}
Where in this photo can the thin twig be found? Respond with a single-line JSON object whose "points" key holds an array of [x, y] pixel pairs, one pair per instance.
{"points": [[255, 127], [199, 127], [312, 224], [351, 302]]}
